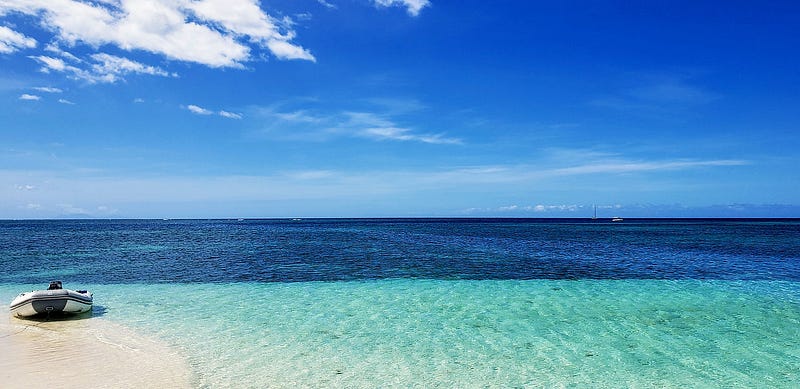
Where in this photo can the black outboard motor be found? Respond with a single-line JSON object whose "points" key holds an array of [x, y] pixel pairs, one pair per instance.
{"points": [[54, 285]]}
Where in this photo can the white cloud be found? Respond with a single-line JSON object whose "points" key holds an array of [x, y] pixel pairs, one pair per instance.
{"points": [[138, 100], [69, 209], [50, 63], [374, 126], [642, 210], [327, 4], [300, 116], [230, 115], [412, 6], [198, 110], [55, 49], [643, 166], [98, 67], [367, 119], [11, 41], [65, 101], [404, 134], [538, 208], [215, 33], [28, 97], [47, 89], [308, 125], [562, 207], [285, 50], [105, 210], [245, 18], [110, 67]]}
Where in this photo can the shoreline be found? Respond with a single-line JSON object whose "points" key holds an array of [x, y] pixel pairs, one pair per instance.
{"points": [[85, 352]]}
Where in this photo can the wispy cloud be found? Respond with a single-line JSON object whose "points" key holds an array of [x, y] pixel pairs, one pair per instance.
{"points": [[65, 101], [230, 115], [653, 93], [327, 4], [636, 210], [644, 166], [538, 208], [300, 116], [48, 89], [379, 125], [413, 7], [69, 209], [550, 170], [198, 110], [29, 97], [53, 48], [12, 41], [110, 68], [405, 134], [54, 64], [98, 68], [86, 189]]}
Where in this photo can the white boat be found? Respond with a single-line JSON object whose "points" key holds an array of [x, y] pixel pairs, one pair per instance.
{"points": [[54, 299], [616, 219]]}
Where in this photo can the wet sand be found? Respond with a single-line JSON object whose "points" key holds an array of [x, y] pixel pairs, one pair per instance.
{"points": [[85, 352]]}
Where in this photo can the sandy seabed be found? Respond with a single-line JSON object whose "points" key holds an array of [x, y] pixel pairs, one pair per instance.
{"points": [[84, 352]]}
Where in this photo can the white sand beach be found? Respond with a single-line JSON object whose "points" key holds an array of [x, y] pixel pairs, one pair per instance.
{"points": [[86, 352]]}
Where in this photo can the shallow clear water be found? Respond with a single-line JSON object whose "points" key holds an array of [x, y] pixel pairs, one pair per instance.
{"points": [[439, 303]]}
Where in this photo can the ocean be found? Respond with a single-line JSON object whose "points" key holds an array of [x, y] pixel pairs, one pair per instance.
{"points": [[467, 303]]}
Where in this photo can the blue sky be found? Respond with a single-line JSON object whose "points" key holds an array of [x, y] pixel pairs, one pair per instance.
{"points": [[380, 108]]}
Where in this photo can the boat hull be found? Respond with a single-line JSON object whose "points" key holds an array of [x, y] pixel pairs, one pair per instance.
{"points": [[40, 302]]}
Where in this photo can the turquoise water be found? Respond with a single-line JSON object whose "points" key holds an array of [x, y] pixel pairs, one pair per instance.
{"points": [[438, 304], [429, 333]]}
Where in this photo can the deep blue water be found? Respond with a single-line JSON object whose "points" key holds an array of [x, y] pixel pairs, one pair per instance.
{"points": [[186, 251]]}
